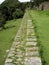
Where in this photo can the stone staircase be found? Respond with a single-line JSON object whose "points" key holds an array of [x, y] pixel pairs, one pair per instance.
{"points": [[32, 53], [24, 50]]}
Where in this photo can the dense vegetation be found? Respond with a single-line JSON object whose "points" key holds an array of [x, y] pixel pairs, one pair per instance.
{"points": [[41, 23], [11, 9]]}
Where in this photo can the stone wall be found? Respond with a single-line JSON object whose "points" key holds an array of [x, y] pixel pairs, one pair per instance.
{"points": [[44, 5]]}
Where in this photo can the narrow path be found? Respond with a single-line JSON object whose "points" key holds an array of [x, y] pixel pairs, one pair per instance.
{"points": [[24, 50]]}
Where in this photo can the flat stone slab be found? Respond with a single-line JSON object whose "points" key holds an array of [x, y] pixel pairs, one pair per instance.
{"points": [[30, 31], [31, 49], [9, 64], [19, 56], [34, 53], [33, 34], [8, 60], [31, 39], [31, 43], [30, 22], [33, 61]]}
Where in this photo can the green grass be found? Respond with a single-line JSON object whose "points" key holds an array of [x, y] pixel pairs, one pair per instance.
{"points": [[41, 21], [7, 37]]}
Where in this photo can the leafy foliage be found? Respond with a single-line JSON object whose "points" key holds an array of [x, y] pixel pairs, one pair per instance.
{"points": [[11, 9], [18, 14]]}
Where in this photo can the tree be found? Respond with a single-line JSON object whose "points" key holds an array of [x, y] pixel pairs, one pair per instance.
{"points": [[18, 14], [5, 12], [8, 7]]}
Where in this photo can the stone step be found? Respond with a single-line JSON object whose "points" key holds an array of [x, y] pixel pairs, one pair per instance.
{"points": [[31, 39], [31, 49], [30, 31], [33, 61], [34, 53], [29, 36], [32, 34], [31, 43]]}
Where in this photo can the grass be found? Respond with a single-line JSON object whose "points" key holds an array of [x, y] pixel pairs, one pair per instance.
{"points": [[41, 22], [6, 38]]}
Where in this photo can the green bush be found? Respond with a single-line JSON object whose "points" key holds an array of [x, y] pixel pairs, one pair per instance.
{"points": [[18, 14]]}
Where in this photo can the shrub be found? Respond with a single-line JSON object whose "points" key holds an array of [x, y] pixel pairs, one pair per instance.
{"points": [[18, 14]]}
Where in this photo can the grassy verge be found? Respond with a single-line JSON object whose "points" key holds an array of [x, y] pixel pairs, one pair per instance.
{"points": [[7, 37], [41, 22]]}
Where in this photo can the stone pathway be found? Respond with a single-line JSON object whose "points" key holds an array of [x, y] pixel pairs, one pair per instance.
{"points": [[24, 50], [32, 54]]}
